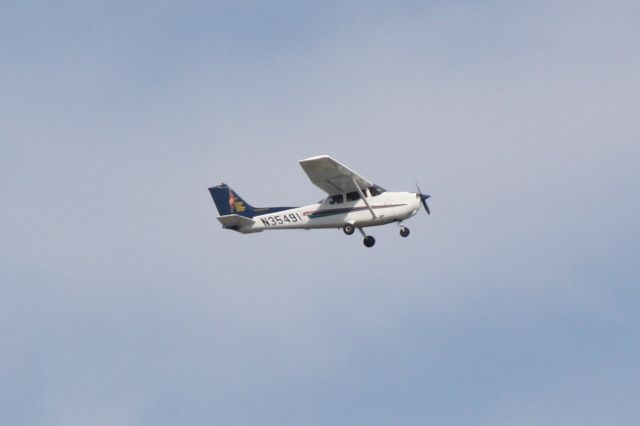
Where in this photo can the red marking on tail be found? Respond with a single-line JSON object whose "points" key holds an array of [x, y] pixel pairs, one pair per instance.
{"points": [[232, 200]]}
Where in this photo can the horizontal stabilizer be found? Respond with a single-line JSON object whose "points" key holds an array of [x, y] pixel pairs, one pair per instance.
{"points": [[235, 221]]}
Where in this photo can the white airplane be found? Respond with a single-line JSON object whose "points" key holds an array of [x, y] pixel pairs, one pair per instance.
{"points": [[353, 203]]}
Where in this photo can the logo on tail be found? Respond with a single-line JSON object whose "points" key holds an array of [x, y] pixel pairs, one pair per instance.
{"points": [[236, 205]]}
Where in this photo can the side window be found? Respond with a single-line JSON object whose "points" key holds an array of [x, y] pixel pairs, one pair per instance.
{"points": [[353, 196], [336, 199]]}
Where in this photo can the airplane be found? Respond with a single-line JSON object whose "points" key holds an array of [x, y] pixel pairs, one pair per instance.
{"points": [[352, 202]]}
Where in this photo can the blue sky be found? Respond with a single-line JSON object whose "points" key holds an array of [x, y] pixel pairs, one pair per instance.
{"points": [[124, 302]]}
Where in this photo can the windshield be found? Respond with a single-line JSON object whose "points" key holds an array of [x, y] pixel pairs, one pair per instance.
{"points": [[376, 190]]}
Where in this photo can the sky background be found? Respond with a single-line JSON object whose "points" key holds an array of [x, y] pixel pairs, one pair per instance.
{"points": [[123, 302]]}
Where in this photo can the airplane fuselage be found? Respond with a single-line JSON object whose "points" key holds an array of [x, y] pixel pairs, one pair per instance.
{"points": [[388, 207]]}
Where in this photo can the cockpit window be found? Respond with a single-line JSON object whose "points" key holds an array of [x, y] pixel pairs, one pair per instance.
{"points": [[353, 196], [336, 199], [376, 190]]}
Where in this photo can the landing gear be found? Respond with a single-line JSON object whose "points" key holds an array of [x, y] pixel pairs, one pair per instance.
{"points": [[349, 229], [404, 231], [368, 241]]}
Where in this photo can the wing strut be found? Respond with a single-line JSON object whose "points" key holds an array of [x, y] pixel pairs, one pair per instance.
{"points": [[363, 197]]}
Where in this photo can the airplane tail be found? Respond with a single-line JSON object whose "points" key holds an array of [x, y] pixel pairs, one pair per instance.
{"points": [[229, 202]]}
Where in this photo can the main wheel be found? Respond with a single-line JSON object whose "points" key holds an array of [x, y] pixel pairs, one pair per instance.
{"points": [[369, 241], [348, 229], [404, 231]]}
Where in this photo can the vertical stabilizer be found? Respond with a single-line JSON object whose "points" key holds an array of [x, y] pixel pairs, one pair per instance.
{"points": [[229, 202]]}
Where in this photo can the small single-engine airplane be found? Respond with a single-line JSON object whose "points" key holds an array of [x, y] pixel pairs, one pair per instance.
{"points": [[353, 203]]}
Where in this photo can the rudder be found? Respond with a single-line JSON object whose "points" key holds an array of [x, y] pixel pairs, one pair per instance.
{"points": [[229, 202]]}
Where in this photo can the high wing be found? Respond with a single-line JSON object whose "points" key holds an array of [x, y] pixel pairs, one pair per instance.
{"points": [[331, 176]]}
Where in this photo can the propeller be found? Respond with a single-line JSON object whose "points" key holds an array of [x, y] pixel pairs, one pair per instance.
{"points": [[424, 198]]}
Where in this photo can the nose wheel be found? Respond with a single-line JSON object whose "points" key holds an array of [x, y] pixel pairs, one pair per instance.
{"points": [[404, 231], [348, 229]]}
